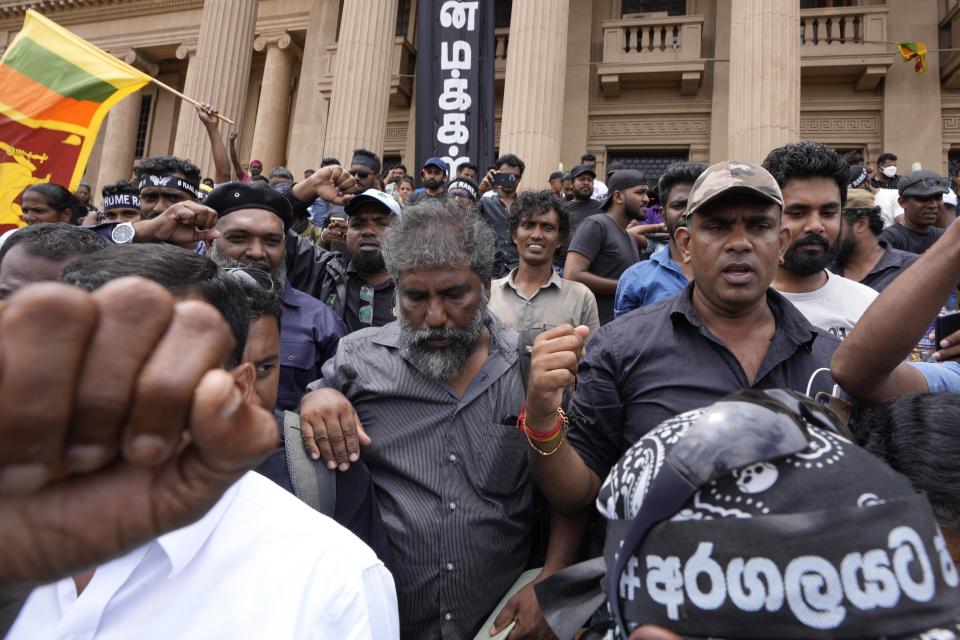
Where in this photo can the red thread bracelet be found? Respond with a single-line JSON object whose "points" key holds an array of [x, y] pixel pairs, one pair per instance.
{"points": [[538, 437]]}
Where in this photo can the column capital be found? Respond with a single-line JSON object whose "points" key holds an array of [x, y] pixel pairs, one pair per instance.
{"points": [[136, 58], [280, 39], [186, 50]]}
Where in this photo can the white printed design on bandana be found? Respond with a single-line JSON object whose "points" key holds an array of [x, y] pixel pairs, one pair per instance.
{"points": [[631, 477], [817, 592], [756, 478]]}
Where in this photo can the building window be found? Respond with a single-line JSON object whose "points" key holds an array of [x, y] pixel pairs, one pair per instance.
{"points": [[670, 7], [953, 163], [651, 164], [143, 126], [403, 17], [501, 13], [389, 162]]}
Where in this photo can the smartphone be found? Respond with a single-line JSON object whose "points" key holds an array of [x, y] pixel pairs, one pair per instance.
{"points": [[505, 180], [945, 325]]}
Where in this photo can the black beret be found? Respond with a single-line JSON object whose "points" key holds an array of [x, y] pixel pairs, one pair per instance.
{"points": [[234, 196]]}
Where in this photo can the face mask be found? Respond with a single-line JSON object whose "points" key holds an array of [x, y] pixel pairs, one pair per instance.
{"points": [[890, 171]]}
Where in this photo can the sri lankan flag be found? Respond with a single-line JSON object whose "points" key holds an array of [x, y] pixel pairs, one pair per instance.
{"points": [[916, 51], [55, 89]]}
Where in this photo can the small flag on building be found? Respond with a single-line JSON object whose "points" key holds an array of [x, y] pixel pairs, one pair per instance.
{"points": [[55, 90], [916, 51]]}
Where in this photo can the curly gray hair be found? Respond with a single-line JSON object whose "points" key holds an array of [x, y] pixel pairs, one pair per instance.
{"points": [[440, 236]]}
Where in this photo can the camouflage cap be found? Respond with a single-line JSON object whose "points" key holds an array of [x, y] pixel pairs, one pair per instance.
{"points": [[859, 199], [733, 176]]}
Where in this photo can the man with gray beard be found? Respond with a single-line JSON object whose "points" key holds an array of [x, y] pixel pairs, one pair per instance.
{"points": [[252, 222], [431, 395]]}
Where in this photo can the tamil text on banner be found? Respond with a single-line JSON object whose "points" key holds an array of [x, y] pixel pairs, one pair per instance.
{"points": [[55, 89], [455, 82]]}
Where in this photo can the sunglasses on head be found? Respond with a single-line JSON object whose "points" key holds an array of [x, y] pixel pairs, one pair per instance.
{"points": [[251, 277], [744, 428]]}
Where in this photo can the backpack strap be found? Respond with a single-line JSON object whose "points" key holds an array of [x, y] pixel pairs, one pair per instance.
{"points": [[312, 481]]}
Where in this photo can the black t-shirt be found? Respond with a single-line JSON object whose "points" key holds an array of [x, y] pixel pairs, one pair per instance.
{"points": [[611, 251], [580, 210], [357, 313], [900, 237], [891, 183]]}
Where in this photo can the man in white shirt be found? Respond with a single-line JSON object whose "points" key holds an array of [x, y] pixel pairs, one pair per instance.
{"points": [[259, 564], [813, 179]]}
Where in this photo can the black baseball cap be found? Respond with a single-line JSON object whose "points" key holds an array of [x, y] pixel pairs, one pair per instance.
{"points": [[621, 181], [581, 169]]}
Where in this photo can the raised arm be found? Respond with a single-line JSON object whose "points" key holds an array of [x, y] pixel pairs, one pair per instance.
{"points": [[210, 118], [234, 160], [869, 365]]}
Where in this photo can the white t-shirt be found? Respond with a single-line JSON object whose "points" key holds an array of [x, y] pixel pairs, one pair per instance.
{"points": [[836, 306], [599, 190], [259, 564], [887, 200]]}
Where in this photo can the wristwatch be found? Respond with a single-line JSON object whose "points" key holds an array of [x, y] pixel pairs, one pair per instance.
{"points": [[123, 233]]}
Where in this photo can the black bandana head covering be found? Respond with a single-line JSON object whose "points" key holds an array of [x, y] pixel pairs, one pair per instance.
{"points": [[858, 175], [121, 201], [826, 543], [170, 182]]}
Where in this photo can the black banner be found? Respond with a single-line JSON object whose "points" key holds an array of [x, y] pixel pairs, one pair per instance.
{"points": [[455, 82]]}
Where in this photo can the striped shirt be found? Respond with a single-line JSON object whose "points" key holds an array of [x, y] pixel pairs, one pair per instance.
{"points": [[450, 474]]}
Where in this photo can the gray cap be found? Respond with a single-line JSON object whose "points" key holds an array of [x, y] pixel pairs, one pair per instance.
{"points": [[923, 184]]}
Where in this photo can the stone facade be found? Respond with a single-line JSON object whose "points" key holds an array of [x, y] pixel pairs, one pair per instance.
{"points": [[725, 77]]}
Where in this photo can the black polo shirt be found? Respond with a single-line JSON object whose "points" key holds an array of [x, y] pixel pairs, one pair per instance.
{"points": [[891, 264], [658, 361]]}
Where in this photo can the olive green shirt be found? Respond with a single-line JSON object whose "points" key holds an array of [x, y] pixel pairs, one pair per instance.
{"points": [[555, 303]]}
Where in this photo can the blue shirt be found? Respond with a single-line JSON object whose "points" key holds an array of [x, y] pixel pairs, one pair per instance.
{"points": [[309, 332], [649, 281], [941, 377]]}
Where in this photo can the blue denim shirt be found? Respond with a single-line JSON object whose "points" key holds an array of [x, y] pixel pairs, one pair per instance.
{"points": [[649, 281], [309, 332]]}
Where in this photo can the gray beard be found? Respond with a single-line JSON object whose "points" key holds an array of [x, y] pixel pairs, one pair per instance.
{"points": [[278, 275], [447, 363]]}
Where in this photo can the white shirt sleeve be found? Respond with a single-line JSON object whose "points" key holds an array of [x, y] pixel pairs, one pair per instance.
{"points": [[365, 610], [887, 200]]}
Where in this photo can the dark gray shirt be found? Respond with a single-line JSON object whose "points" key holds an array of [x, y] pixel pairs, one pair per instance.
{"points": [[580, 210], [494, 211], [659, 361], [900, 237], [891, 264], [611, 251], [450, 475]]}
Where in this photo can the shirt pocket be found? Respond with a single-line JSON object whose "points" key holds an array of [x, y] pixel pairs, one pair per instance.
{"points": [[500, 464], [299, 354]]}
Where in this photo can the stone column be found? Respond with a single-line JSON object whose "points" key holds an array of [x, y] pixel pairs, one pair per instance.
{"points": [[273, 110], [360, 97], [120, 133], [218, 74], [309, 126], [764, 77], [533, 89]]}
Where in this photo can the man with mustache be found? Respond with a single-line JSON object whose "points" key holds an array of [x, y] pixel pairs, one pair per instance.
{"points": [[727, 330], [921, 195], [813, 179], [252, 222], [601, 249], [434, 176], [437, 393]]}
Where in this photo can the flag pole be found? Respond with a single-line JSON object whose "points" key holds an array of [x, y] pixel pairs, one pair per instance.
{"points": [[188, 99]]}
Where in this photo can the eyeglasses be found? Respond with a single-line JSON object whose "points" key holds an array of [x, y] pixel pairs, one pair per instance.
{"points": [[251, 277], [365, 313], [360, 174], [744, 428]]}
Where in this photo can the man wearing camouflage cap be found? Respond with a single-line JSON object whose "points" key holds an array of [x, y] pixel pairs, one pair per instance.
{"points": [[728, 330]]}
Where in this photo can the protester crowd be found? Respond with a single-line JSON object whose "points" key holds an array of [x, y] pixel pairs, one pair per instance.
{"points": [[369, 403]]}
